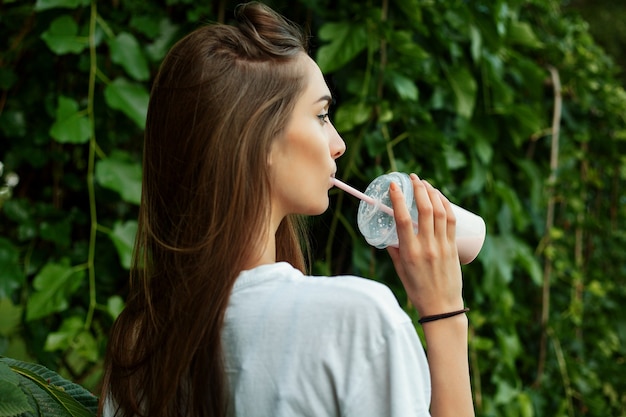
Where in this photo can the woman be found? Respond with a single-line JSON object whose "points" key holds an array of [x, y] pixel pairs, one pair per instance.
{"points": [[220, 319]]}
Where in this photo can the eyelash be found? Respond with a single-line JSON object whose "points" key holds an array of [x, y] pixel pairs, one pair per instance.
{"points": [[324, 118]]}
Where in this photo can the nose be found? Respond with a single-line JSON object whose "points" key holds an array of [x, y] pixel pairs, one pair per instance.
{"points": [[337, 145]]}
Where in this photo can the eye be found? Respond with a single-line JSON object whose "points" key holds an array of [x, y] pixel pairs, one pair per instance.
{"points": [[324, 118]]}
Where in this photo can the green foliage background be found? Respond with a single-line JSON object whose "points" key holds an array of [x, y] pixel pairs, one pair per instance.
{"points": [[509, 106]]}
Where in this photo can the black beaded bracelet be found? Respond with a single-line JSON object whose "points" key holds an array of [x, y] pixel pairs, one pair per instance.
{"points": [[434, 317]]}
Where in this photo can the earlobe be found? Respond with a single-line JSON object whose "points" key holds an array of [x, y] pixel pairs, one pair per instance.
{"points": [[270, 158]]}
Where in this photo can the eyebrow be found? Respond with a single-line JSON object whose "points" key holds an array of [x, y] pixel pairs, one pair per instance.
{"points": [[326, 98]]}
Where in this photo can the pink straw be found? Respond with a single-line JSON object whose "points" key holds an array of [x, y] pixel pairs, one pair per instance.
{"points": [[369, 200]]}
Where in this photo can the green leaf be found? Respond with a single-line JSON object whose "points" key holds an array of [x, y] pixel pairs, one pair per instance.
{"points": [[115, 305], [10, 316], [14, 401], [41, 5], [7, 375], [347, 40], [53, 285], [126, 51], [62, 338], [58, 232], [404, 86], [350, 115], [521, 33], [511, 200], [123, 237], [50, 391], [13, 123], [62, 36], [130, 98], [166, 36], [464, 86], [121, 174], [71, 125], [11, 274], [476, 43], [73, 335]]}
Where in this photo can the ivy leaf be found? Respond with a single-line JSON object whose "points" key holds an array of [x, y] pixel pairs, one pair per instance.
{"points": [[120, 173], [62, 338], [53, 4], [11, 275], [115, 305], [53, 285], [72, 335], [123, 237], [126, 51], [346, 41], [464, 86], [130, 98], [166, 35], [71, 125], [62, 36]]}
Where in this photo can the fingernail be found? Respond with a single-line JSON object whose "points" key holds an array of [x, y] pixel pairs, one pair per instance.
{"points": [[414, 176], [393, 186]]}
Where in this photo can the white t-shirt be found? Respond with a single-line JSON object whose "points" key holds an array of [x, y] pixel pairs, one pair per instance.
{"points": [[298, 345]]}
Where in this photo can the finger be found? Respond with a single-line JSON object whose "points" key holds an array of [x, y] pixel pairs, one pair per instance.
{"points": [[394, 254], [424, 207], [450, 218], [440, 223], [404, 224]]}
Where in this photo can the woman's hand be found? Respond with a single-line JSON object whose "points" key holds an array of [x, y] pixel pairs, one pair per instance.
{"points": [[427, 262], [429, 267]]}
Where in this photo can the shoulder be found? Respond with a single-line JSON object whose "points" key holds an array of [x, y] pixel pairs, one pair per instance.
{"points": [[345, 296]]}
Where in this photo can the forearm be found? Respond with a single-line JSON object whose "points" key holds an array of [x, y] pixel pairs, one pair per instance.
{"points": [[446, 342]]}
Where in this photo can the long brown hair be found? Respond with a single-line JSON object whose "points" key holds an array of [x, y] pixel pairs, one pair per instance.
{"points": [[222, 94]]}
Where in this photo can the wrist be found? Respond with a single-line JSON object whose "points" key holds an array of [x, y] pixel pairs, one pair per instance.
{"points": [[442, 316]]}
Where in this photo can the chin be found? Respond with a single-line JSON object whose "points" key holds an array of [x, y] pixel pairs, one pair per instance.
{"points": [[318, 209]]}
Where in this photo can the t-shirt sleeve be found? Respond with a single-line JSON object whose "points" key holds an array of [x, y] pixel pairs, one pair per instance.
{"points": [[394, 381]]}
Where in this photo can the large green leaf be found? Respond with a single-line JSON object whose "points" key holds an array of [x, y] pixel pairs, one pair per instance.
{"points": [[49, 391], [14, 401], [121, 174], [130, 98], [53, 285], [71, 125], [127, 52], [62, 36], [347, 40]]}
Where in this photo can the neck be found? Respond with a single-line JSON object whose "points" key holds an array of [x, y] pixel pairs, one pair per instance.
{"points": [[267, 253]]}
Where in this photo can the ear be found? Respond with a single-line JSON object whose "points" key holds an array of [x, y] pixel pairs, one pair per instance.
{"points": [[275, 148]]}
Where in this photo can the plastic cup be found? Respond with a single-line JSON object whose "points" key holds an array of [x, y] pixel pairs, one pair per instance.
{"points": [[378, 226]]}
